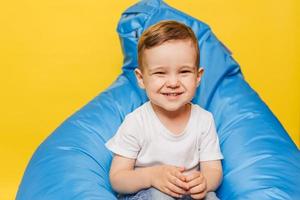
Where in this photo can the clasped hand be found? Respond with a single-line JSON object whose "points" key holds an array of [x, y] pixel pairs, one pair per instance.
{"points": [[172, 181]]}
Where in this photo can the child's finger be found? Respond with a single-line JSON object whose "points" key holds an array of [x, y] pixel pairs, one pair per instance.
{"points": [[181, 169], [178, 182], [176, 189], [195, 182], [198, 188], [193, 175], [179, 175], [198, 195], [171, 193]]}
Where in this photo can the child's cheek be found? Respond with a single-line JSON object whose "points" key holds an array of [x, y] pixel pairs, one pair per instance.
{"points": [[158, 81]]}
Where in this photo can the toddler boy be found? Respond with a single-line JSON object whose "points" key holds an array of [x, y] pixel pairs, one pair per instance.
{"points": [[167, 148]]}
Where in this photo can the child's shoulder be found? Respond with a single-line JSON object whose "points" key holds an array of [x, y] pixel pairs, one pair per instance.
{"points": [[199, 111], [142, 108], [139, 112]]}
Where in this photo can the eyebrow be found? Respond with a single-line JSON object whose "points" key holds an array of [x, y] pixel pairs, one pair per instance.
{"points": [[188, 66], [156, 68]]}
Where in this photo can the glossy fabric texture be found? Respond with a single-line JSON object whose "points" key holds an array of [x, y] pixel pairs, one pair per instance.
{"points": [[261, 162]]}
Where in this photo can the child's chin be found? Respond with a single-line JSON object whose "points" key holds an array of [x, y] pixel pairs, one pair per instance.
{"points": [[172, 108]]}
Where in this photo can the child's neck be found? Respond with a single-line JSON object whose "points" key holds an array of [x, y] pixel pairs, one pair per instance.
{"points": [[174, 121]]}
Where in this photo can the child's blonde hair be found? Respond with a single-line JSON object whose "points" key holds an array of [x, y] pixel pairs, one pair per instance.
{"points": [[165, 31]]}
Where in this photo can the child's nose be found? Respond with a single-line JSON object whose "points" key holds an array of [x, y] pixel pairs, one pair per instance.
{"points": [[173, 82]]}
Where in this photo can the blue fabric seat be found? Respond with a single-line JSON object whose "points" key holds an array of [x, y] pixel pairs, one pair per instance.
{"points": [[261, 162]]}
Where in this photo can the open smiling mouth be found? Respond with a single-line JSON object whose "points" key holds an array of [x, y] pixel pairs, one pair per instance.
{"points": [[172, 93]]}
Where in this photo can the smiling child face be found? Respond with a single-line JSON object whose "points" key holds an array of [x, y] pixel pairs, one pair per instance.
{"points": [[170, 75]]}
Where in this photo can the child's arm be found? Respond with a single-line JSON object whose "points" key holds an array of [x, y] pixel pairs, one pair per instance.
{"points": [[213, 173], [125, 179], [206, 180]]}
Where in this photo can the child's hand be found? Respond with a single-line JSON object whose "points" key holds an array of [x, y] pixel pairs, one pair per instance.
{"points": [[197, 184], [169, 179]]}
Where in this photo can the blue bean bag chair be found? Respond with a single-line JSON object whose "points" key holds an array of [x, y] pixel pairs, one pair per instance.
{"points": [[261, 161]]}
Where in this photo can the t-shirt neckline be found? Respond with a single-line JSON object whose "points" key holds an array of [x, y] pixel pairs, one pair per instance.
{"points": [[166, 130]]}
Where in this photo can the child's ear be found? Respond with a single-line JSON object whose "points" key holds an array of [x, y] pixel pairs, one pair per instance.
{"points": [[139, 76], [199, 75]]}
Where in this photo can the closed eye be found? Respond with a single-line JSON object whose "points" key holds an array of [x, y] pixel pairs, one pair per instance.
{"points": [[185, 71], [158, 73]]}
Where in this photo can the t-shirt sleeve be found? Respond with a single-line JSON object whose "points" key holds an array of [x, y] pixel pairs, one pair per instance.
{"points": [[126, 141], [209, 143]]}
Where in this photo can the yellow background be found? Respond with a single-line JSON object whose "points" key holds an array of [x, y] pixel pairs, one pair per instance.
{"points": [[56, 55]]}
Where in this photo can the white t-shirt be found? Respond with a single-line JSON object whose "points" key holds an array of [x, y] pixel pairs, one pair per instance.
{"points": [[143, 137]]}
